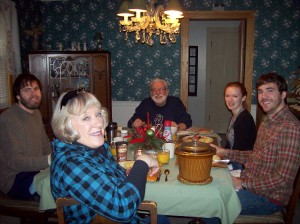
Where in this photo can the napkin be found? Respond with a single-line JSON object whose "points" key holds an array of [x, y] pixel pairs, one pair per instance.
{"points": [[235, 173]]}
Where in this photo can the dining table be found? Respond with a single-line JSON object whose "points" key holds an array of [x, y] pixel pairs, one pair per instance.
{"points": [[173, 197], [215, 199]]}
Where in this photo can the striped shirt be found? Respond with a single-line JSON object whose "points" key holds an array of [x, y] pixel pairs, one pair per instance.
{"points": [[271, 167]]}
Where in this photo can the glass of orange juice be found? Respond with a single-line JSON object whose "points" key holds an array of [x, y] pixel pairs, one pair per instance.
{"points": [[113, 149], [163, 156]]}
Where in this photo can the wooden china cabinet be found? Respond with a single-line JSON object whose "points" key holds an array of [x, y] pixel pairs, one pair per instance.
{"points": [[61, 71]]}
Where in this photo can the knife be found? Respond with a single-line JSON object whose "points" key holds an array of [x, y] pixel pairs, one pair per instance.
{"points": [[222, 160]]}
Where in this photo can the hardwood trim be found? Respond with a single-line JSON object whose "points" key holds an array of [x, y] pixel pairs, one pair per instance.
{"points": [[184, 61]]}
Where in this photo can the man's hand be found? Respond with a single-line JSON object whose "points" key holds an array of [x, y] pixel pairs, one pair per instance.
{"points": [[237, 183], [220, 151], [137, 123], [181, 127]]}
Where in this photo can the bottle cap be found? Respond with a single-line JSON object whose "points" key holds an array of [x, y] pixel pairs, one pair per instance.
{"points": [[118, 139], [112, 125], [167, 123]]}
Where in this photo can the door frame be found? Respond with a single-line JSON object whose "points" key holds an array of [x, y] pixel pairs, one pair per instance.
{"points": [[248, 17]]}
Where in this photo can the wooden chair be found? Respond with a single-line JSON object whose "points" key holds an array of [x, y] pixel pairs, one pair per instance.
{"points": [[27, 210], [2, 109], [148, 206], [285, 216]]}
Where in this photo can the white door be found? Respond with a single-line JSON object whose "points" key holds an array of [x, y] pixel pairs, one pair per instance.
{"points": [[223, 52]]}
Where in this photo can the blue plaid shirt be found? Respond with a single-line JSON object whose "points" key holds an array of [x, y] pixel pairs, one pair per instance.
{"points": [[97, 181]]}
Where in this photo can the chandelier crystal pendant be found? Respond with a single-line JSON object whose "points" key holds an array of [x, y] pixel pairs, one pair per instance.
{"points": [[147, 19]]}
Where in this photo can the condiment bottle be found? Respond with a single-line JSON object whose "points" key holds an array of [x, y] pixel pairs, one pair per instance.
{"points": [[121, 148], [167, 134]]}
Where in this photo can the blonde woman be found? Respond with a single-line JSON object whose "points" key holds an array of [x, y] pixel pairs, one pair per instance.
{"points": [[84, 168]]}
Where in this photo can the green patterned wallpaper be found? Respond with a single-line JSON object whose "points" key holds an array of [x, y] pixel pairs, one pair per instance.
{"points": [[277, 39]]}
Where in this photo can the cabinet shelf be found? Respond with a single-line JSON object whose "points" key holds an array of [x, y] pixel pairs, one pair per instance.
{"points": [[68, 70]]}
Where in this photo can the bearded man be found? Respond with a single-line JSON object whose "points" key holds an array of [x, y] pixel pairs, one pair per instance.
{"points": [[24, 145], [266, 184], [160, 107]]}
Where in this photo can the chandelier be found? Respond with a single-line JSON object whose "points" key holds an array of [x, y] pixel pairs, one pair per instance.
{"points": [[150, 18]]}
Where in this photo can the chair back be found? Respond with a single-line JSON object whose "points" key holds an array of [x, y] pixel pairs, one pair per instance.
{"points": [[149, 206], [286, 216], [2, 109], [291, 207], [60, 203]]}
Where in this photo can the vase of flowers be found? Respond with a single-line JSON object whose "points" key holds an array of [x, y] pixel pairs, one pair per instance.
{"points": [[35, 44], [35, 32]]}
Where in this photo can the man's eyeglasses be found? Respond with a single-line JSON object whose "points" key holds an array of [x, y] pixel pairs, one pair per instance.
{"points": [[70, 95], [159, 90]]}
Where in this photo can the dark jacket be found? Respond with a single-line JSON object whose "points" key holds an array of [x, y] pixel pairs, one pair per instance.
{"points": [[244, 132], [173, 110]]}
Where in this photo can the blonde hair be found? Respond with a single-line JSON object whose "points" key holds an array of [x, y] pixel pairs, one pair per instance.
{"points": [[61, 118]]}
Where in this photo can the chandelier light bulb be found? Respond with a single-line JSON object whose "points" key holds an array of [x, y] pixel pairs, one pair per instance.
{"points": [[150, 18]]}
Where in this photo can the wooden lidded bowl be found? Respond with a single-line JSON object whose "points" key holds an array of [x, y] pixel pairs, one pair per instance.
{"points": [[195, 161]]}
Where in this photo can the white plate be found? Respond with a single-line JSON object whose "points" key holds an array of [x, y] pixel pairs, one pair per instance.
{"points": [[201, 131], [183, 133]]}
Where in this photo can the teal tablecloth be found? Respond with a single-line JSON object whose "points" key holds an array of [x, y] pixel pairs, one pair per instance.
{"points": [[217, 199], [41, 183]]}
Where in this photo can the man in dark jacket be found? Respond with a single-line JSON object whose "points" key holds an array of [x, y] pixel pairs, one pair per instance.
{"points": [[160, 106]]}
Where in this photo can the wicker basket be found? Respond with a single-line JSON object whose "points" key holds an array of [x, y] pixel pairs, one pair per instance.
{"points": [[195, 161]]}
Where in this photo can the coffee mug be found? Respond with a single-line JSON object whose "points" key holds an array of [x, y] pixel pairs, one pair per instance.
{"points": [[169, 147]]}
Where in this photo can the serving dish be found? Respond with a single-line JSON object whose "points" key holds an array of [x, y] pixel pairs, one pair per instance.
{"points": [[195, 162]]}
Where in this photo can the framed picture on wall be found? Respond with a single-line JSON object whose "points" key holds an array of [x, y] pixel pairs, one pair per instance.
{"points": [[191, 88], [193, 61], [192, 80], [193, 51], [193, 70]]}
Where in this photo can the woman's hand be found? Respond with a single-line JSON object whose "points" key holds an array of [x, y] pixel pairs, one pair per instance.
{"points": [[220, 151], [151, 162]]}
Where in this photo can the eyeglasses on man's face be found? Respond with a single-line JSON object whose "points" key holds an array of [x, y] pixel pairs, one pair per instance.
{"points": [[159, 90]]}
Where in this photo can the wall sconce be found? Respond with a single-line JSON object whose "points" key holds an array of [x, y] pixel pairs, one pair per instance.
{"points": [[99, 39]]}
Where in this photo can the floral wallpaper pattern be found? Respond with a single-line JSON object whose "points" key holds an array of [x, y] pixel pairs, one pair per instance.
{"points": [[277, 39]]}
